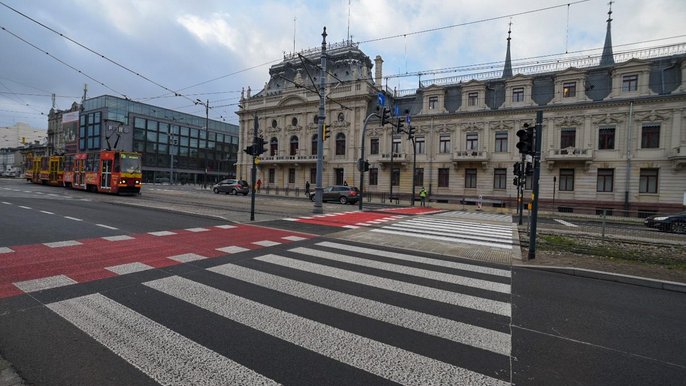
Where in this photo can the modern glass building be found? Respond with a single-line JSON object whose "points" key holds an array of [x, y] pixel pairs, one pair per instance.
{"points": [[176, 147]]}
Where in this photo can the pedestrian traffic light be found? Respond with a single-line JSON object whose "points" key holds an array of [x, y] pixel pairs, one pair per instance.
{"points": [[529, 169], [526, 140], [410, 132], [515, 181], [327, 131], [517, 169], [385, 116]]}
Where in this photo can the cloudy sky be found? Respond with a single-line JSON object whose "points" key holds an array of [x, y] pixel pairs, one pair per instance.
{"points": [[210, 49]]}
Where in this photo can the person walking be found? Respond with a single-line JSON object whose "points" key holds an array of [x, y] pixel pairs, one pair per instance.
{"points": [[259, 184], [307, 188], [422, 196], [345, 183]]}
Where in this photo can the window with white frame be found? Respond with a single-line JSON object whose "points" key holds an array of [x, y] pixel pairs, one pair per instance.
{"points": [[473, 99], [472, 141], [444, 144], [433, 103], [630, 83], [569, 89], [419, 145], [501, 141], [518, 94]]}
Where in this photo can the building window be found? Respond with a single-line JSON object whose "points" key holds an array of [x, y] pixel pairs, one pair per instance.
{"points": [[518, 94], [443, 177], [569, 89], [338, 173], [340, 144], [501, 141], [294, 145], [373, 176], [433, 103], [473, 99], [341, 117], [500, 178], [294, 121], [566, 180], [419, 146], [374, 144], [648, 181], [472, 141], [419, 177], [315, 144], [274, 123], [90, 131], [567, 138], [273, 146], [650, 137], [395, 177], [444, 144], [470, 178], [313, 175], [291, 175], [605, 180], [272, 175], [630, 83], [395, 148], [606, 138]]}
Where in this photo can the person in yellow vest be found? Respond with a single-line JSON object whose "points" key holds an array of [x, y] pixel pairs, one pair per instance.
{"points": [[422, 196]]}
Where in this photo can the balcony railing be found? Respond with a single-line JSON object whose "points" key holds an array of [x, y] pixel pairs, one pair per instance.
{"points": [[397, 157], [288, 158], [470, 156], [570, 154]]}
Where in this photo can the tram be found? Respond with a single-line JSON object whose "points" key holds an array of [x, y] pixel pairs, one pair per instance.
{"points": [[105, 171], [44, 170]]}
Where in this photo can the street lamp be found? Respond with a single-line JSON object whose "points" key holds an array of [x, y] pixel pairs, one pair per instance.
{"points": [[207, 135]]}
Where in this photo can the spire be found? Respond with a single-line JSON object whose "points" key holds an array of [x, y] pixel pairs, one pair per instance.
{"points": [[507, 71], [608, 59]]}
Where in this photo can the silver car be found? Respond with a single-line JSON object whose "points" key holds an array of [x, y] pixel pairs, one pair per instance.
{"points": [[231, 186]]}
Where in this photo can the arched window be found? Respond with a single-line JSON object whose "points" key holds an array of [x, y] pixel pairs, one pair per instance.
{"points": [[294, 121], [340, 144], [294, 145], [273, 146], [314, 144]]}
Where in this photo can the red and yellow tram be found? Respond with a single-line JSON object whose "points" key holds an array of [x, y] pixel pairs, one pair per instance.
{"points": [[105, 171]]}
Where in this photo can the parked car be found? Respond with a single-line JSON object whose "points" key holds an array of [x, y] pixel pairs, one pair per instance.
{"points": [[669, 223], [231, 186], [341, 193]]}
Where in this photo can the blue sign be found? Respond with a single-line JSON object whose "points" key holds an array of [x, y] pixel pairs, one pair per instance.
{"points": [[396, 111], [382, 99], [407, 119]]}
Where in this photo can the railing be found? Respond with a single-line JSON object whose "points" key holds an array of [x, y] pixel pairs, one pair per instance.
{"points": [[570, 153], [470, 155]]}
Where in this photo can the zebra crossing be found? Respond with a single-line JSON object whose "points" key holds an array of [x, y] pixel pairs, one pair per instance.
{"points": [[310, 312], [489, 230]]}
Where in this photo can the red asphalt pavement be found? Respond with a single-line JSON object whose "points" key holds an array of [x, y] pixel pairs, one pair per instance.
{"points": [[88, 260]]}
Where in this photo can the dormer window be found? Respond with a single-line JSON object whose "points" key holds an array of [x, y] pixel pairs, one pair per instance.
{"points": [[473, 99], [433, 103], [569, 89], [518, 94], [630, 83]]}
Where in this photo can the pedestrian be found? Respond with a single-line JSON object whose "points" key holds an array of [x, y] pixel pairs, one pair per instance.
{"points": [[307, 188], [422, 196], [345, 183], [259, 184]]}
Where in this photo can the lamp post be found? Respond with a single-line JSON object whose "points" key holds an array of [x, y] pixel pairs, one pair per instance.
{"points": [[207, 136]]}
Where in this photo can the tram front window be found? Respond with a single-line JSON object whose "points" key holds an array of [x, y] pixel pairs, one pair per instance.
{"points": [[129, 163]]}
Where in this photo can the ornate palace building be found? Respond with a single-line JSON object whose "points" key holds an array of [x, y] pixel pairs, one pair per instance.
{"points": [[613, 135]]}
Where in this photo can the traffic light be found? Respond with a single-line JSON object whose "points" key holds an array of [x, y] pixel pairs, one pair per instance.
{"points": [[517, 169], [529, 169], [526, 140], [362, 166], [410, 132], [400, 125], [258, 147], [515, 181], [327, 132], [385, 116], [366, 166], [250, 150]]}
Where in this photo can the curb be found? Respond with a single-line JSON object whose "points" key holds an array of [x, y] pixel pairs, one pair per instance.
{"points": [[609, 276]]}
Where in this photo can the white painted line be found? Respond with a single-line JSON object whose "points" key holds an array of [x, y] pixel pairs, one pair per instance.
{"points": [[419, 259], [73, 218], [39, 192], [418, 272], [458, 232], [350, 226], [294, 238], [161, 233], [232, 249], [44, 283], [124, 269], [363, 224], [186, 257], [458, 299], [25, 207], [384, 360], [569, 224], [225, 226], [6, 250], [60, 244], [474, 336], [290, 219], [164, 355], [196, 230], [107, 227], [7, 203], [266, 243], [46, 212], [117, 238], [450, 239], [306, 218]]}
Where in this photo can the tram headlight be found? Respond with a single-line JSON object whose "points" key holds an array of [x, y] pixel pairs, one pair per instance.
{"points": [[122, 181]]}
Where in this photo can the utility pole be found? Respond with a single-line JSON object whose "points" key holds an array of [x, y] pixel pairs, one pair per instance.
{"points": [[317, 209], [537, 173], [253, 171], [207, 138]]}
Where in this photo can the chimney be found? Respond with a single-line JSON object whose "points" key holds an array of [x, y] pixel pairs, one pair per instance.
{"points": [[378, 64]]}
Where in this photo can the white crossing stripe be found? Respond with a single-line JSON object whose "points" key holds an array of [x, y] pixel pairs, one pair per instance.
{"points": [[474, 336], [6, 250], [266, 243], [225, 226], [569, 224], [164, 355], [107, 227], [195, 230], [44, 283], [378, 358], [186, 257], [162, 233], [442, 238], [419, 259], [232, 249], [462, 300], [117, 238], [124, 269], [60, 244], [439, 276], [294, 238]]}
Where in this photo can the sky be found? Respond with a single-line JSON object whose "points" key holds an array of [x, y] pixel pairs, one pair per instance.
{"points": [[169, 53]]}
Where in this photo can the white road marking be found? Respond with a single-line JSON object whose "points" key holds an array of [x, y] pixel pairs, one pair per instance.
{"points": [[164, 355], [6, 250], [569, 224], [294, 238], [186, 257], [162, 233], [25, 207], [196, 230], [225, 226], [107, 227], [60, 244], [73, 218], [441, 238], [46, 212], [124, 269], [266, 243], [118, 238], [44, 283], [378, 358], [232, 249]]}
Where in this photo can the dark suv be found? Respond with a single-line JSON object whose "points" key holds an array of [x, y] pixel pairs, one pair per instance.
{"points": [[231, 186], [341, 193]]}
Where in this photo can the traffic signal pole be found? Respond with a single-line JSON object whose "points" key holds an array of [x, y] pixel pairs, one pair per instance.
{"points": [[537, 173], [253, 171]]}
